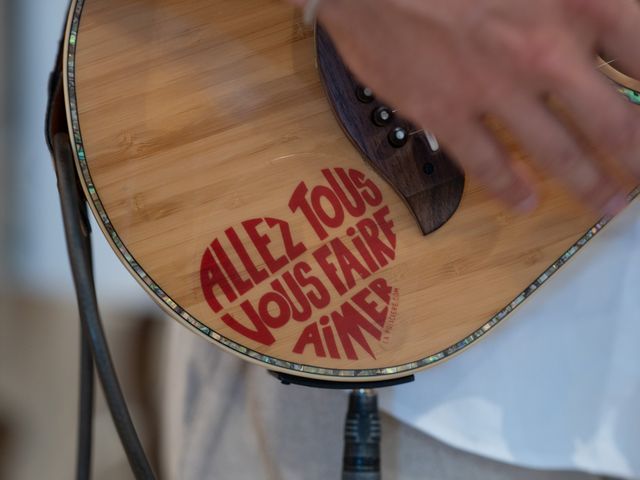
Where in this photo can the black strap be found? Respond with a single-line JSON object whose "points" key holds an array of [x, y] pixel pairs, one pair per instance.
{"points": [[79, 250], [56, 120], [94, 346]]}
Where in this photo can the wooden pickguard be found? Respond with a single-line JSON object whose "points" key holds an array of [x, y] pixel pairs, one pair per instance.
{"points": [[212, 161]]}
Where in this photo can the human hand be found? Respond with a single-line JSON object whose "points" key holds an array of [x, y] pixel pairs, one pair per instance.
{"points": [[449, 65]]}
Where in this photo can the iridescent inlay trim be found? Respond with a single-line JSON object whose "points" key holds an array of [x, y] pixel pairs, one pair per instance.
{"points": [[270, 362], [632, 95]]}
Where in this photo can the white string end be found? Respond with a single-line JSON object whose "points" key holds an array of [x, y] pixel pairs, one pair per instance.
{"points": [[310, 11]]}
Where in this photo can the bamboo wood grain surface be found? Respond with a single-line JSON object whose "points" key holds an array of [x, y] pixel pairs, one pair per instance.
{"points": [[198, 116]]}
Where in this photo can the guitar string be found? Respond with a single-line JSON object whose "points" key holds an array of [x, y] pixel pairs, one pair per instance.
{"points": [[610, 62]]}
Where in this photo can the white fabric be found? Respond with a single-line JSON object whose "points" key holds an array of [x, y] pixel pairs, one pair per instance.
{"points": [[226, 419], [557, 386]]}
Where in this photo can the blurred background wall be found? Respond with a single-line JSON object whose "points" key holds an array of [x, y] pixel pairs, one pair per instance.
{"points": [[4, 37], [36, 238], [38, 319]]}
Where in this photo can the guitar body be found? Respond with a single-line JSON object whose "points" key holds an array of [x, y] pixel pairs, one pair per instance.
{"points": [[215, 166]]}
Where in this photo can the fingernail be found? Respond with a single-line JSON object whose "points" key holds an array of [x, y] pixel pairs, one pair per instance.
{"points": [[615, 205], [527, 205]]}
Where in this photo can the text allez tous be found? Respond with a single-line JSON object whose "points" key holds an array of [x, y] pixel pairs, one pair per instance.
{"points": [[297, 290]]}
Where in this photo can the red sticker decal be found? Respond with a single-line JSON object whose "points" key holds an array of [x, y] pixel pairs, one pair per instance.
{"points": [[348, 216]]}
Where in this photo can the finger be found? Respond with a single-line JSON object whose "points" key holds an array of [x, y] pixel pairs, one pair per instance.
{"points": [[483, 158], [609, 122], [618, 25], [556, 151]]}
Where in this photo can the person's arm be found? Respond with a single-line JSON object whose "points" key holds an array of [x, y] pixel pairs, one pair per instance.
{"points": [[503, 59]]}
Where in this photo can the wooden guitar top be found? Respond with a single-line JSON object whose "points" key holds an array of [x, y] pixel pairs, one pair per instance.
{"points": [[215, 167]]}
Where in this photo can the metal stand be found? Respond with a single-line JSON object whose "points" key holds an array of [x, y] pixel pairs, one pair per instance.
{"points": [[94, 343], [362, 432], [94, 347]]}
